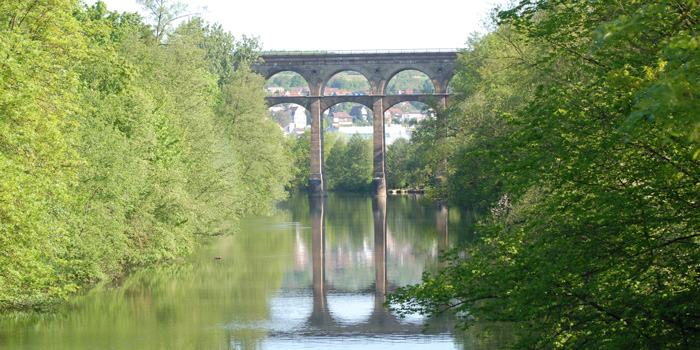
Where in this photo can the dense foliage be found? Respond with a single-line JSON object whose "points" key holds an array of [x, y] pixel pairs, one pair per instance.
{"points": [[120, 141], [577, 123], [348, 162]]}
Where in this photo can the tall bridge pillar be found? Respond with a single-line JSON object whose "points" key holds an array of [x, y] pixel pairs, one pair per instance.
{"points": [[379, 145], [317, 179]]}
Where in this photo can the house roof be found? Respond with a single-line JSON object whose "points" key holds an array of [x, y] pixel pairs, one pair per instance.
{"points": [[341, 115], [394, 111]]}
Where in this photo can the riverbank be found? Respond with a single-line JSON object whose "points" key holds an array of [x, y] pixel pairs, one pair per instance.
{"points": [[117, 146]]}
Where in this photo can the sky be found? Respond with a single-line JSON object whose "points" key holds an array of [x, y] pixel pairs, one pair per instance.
{"points": [[342, 25]]}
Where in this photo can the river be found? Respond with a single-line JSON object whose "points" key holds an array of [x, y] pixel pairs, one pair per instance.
{"points": [[312, 274]]}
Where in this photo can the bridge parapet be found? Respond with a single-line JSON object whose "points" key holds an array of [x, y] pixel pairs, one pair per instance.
{"points": [[311, 52]]}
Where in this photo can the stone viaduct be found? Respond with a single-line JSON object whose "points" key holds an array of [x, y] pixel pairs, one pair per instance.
{"points": [[378, 68]]}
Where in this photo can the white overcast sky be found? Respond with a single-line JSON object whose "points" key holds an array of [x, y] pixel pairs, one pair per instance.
{"points": [[342, 24]]}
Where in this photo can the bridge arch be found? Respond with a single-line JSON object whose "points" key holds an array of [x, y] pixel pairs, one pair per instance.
{"points": [[395, 76], [393, 100], [330, 101], [287, 83], [276, 70], [449, 89], [336, 74], [437, 75]]}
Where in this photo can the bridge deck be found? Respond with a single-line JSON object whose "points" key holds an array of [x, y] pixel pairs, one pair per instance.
{"points": [[343, 58]]}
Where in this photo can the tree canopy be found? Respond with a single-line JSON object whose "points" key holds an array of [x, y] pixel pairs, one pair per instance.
{"points": [[120, 144], [576, 125]]}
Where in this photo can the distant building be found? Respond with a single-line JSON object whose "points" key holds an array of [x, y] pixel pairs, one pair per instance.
{"points": [[342, 118], [363, 131], [300, 91], [298, 114], [393, 113], [289, 128], [332, 92], [275, 90], [416, 115], [292, 129]]}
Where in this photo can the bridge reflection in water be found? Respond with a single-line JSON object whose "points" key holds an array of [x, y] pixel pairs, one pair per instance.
{"points": [[322, 321]]}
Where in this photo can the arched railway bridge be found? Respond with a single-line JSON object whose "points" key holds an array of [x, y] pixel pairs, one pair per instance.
{"points": [[378, 68]]}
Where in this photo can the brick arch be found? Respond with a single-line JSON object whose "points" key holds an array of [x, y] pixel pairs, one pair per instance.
{"points": [[267, 79], [288, 102], [396, 72], [277, 100], [310, 74], [392, 100], [330, 101]]}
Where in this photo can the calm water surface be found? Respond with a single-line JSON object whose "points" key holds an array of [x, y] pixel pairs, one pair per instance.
{"points": [[311, 275]]}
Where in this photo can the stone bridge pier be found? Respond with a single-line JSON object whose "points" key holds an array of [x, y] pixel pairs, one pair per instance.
{"points": [[378, 68]]}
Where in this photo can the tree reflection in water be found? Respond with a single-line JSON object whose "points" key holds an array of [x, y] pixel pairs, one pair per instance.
{"points": [[313, 274]]}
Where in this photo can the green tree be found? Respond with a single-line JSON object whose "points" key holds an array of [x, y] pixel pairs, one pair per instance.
{"points": [[299, 150], [118, 149], [436, 140], [41, 44], [297, 81], [264, 173], [336, 163], [282, 117], [349, 165], [163, 13], [593, 242], [397, 161]]}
